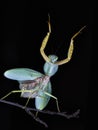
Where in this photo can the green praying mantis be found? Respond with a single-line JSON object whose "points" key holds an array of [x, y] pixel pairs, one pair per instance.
{"points": [[34, 84]]}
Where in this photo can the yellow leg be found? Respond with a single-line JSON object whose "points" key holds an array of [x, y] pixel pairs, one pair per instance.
{"points": [[27, 103], [57, 104], [70, 50], [18, 91], [36, 114], [44, 43], [14, 91], [28, 99]]}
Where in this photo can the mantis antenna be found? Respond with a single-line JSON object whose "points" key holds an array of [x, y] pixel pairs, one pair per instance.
{"points": [[70, 50]]}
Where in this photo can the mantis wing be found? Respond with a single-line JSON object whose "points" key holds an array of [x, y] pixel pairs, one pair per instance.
{"points": [[42, 99], [22, 74]]}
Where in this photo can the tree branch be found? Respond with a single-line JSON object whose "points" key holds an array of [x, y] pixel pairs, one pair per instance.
{"points": [[29, 109]]}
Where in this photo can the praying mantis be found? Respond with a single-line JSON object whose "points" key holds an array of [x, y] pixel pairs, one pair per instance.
{"points": [[34, 84]]}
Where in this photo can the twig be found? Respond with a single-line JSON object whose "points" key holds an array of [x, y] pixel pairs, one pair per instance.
{"points": [[29, 109], [35, 118]]}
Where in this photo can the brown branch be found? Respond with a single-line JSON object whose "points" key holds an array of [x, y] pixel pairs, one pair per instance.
{"points": [[28, 110]]}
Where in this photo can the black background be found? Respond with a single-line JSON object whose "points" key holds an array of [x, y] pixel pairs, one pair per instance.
{"points": [[23, 27]]}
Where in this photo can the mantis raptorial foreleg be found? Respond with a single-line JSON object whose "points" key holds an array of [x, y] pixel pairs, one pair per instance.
{"points": [[44, 43], [70, 50]]}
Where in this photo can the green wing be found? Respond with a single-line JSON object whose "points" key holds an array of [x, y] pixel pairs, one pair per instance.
{"points": [[22, 74], [42, 100]]}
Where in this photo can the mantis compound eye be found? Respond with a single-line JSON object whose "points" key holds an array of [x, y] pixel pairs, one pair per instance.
{"points": [[53, 58]]}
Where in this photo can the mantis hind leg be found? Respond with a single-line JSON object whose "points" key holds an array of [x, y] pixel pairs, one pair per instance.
{"points": [[28, 100], [57, 104], [14, 91], [19, 91]]}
